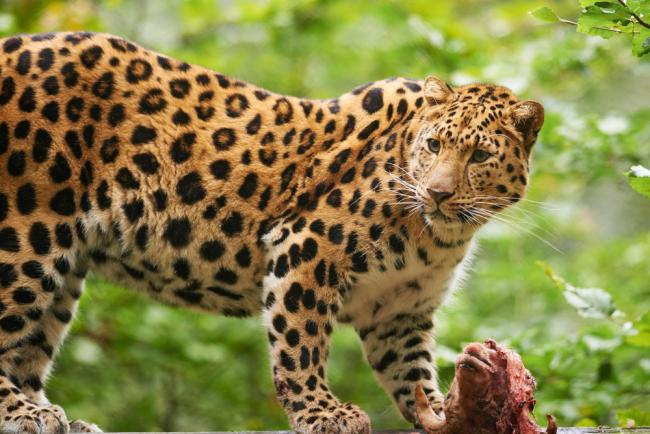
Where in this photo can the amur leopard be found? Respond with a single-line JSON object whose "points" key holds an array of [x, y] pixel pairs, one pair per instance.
{"points": [[210, 193]]}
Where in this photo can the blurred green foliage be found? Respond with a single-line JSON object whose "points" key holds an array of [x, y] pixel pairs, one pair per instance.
{"points": [[131, 364]]}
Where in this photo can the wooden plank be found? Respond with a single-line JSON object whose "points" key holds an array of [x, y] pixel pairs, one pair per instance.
{"points": [[569, 430]]}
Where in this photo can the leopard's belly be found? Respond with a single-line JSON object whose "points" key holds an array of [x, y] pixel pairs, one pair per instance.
{"points": [[209, 274]]}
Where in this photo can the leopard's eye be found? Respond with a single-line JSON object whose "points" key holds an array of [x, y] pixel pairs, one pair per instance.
{"points": [[479, 156], [433, 145]]}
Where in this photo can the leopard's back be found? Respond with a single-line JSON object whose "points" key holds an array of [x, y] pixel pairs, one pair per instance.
{"points": [[164, 175]]}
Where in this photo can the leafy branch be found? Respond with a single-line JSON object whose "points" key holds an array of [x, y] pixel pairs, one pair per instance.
{"points": [[636, 17], [606, 18], [596, 303], [589, 302]]}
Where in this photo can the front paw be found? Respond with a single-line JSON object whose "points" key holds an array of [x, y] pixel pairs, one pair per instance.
{"points": [[79, 426], [437, 401], [21, 416], [342, 419]]}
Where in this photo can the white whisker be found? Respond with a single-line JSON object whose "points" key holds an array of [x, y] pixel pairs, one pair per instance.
{"points": [[490, 215]]}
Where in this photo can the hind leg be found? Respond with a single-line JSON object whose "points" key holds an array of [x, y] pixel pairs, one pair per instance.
{"points": [[23, 311], [34, 359], [33, 263]]}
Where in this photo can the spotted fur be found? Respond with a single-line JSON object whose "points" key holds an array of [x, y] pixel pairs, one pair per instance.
{"points": [[210, 193]]}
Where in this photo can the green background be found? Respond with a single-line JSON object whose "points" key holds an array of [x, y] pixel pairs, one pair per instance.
{"points": [[131, 364]]}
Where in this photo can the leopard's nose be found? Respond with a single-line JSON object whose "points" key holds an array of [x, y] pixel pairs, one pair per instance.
{"points": [[439, 196]]}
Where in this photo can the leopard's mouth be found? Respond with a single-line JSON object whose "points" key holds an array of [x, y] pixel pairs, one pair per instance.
{"points": [[437, 214], [450, 217], [451, 214], [441, 216]]}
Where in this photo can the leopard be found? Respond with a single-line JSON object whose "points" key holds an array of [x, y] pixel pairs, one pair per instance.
{"points": [[206, 192]]}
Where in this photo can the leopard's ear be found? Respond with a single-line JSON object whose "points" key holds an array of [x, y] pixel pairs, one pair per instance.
{"points": [[437, 91], [527, 117]]}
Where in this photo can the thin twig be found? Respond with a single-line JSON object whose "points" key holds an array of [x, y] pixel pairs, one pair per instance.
{"points": [[636, 17], [573, 23], [565, 21], [608, 29]]}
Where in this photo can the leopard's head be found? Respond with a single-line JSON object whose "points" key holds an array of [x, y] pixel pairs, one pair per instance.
{"points": [[470, 156]]}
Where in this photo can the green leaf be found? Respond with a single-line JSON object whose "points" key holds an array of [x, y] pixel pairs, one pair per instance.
{"points": [[639, 179], [613, 12], [589, 302], [594, 24], [641, 42], [604, 19], [586, 3], [598, 343], [545, 14]]}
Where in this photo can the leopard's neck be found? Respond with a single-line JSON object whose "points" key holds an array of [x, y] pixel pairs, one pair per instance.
{"points": [[359, 125]]}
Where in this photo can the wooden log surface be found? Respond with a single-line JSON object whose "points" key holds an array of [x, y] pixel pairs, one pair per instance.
{"points": [[599, 430]]}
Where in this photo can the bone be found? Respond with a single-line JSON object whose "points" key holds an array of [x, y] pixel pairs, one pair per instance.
{"points": [[428, 418]]}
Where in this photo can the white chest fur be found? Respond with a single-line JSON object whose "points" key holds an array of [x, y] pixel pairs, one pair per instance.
{"points": [[417, 286]]}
